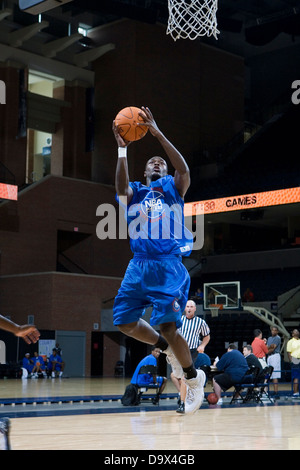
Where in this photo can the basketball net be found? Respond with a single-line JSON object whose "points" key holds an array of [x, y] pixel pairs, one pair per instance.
{"points": [[214, 309], [189, 19]]}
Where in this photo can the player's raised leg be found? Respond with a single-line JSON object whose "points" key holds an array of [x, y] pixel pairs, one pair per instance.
{"points": [[180, 353]]}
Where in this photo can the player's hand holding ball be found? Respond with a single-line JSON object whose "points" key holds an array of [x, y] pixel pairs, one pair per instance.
{"points": [[129, 123], [120, 140], [149, 121], [132, 124]]}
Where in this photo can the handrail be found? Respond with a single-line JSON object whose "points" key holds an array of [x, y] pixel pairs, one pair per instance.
{"points": [[289, 298], [271, 319]]}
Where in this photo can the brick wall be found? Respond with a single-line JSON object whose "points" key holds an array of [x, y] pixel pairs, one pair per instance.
{"points": [[29, 237], [29, 228], [61, 301]]}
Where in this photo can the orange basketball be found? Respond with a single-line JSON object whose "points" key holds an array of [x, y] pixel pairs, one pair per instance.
{"points": [[212, 398], [126, 121]]}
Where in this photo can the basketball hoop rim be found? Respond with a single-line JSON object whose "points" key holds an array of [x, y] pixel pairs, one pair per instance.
{"points": [[218, 306], [214, 309]]}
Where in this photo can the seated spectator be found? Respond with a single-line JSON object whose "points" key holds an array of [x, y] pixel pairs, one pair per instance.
{"points": [[198, 296], [233, 367], [142, 379], [39, 365], [248, 295], [202, 360], [253, 361], [56, 364], [27, 364]]}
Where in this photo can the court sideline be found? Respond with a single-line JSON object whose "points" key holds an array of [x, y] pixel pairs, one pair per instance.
{"points": [[86, 414]]}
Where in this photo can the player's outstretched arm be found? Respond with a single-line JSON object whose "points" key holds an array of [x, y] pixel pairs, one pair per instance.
{"points": [[122, 175], [28, 332], [182, 172]]}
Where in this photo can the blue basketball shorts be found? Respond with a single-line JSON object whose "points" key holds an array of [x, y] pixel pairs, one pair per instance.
{"points": [[144, 380], [160, 281], [295, 371]]}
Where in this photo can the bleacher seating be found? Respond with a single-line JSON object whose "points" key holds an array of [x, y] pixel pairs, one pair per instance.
{"points": [[266, 284], [234, 327]]}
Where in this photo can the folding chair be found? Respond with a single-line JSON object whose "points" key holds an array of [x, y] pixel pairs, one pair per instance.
{"points": [[248, 382], [262, 387], [151, 370], [257, 389]]}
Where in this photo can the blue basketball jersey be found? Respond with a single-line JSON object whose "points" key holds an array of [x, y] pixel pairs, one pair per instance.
{"points": [[156, 220]]}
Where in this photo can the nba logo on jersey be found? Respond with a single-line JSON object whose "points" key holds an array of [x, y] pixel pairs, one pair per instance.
{"points": [[175, 305], [152, 205]]}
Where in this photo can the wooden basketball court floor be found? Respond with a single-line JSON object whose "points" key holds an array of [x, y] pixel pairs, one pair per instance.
{"points": [[86, 414]]}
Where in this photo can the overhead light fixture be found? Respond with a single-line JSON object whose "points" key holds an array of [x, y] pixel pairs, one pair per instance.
{"points": [[82, 30], [85, 41]]}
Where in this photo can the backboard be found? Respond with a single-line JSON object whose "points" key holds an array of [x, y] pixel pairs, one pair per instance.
{"points": [[225, 294]]}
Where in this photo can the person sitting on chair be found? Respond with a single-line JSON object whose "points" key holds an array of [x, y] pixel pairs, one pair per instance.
{"points": [[27, 364], [145, 374], [253, 361], [56, 364], [39, 366], [233, 367]]}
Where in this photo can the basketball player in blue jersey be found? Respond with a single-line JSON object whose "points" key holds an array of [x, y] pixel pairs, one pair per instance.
{"points": [[156, 275]]}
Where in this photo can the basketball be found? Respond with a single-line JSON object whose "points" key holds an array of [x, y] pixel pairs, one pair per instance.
{"points": [[126, 121], [212, 398]]}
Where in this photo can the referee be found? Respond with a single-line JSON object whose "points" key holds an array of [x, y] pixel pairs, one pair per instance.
{"points": [[192, 328]]}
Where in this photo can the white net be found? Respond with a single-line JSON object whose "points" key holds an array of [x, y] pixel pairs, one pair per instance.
{"points": [[215, 308], [189, 19], [214, 311]]}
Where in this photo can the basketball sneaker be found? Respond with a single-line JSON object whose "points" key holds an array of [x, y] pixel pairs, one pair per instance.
{"points": [[172, 360], [181, 408], [195, 392], [4, 434]]}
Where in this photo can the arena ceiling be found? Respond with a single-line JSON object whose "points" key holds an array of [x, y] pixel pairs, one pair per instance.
{"points": [[245, 25], [247, 28]]}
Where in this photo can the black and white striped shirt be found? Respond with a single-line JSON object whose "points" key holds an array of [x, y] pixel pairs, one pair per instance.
{"points": [[192, 329]]}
